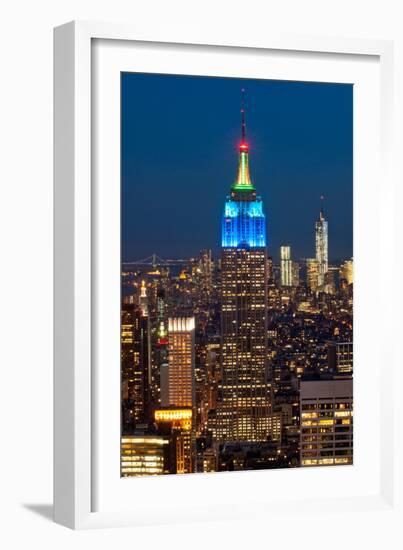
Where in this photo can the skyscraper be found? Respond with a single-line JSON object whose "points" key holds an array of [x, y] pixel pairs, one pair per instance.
{"points": [[142, 365], [321, 242], [181, 336], [143, 300], [243, 404], [346, 271], [286, 266], [159, 365], [312, 274], [181, 390], [178, 422], [206, 269], [128, 371], [295, 273]]}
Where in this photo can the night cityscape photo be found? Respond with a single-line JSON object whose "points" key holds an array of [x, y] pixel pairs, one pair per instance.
{"points": [[236, 274]]}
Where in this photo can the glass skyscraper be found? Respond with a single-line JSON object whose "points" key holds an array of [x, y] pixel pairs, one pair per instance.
{"points": [[244, 393], [321, 242]]}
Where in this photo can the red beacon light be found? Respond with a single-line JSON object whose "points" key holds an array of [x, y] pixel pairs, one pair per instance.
{"points": [[244, 146]]}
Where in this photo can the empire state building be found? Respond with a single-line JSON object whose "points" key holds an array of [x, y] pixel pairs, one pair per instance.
{"points": [[244, 392]]}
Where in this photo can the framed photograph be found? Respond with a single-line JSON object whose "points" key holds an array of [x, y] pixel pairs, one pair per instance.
{"points": [[221, 227]]}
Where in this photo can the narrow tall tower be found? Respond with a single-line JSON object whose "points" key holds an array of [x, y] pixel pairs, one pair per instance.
{"points": [[142, 359], [243, 403], [321, 242], [286, 266], [143, 300]]}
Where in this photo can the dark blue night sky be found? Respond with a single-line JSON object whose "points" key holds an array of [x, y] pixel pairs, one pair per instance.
{"points": [[180, 137]]}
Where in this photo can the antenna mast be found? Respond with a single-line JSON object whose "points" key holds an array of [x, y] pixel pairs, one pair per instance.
{"points": [[243, 115]]}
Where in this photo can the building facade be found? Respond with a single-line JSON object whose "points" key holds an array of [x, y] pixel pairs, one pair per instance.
{"points": [[178, 423], [347, 271], [143, 455], [181, 361], [340, 357], [286, 266], [142, 359], [326, 411], [244, 403], [312, 274], [206, 270], [295, 273], [128, 358]]}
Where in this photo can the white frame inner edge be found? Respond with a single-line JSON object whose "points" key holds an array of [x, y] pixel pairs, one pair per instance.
{"points": [[88, 489]]}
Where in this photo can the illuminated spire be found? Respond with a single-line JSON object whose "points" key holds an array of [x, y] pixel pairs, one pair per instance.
{"points": [[243, 181], [322, 212]]}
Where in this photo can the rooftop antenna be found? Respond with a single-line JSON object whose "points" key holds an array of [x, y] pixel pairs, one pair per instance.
{"points": [[243, 115]]}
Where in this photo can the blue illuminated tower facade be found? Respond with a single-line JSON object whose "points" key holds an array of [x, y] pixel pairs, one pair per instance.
{"points": [[244, 392]]}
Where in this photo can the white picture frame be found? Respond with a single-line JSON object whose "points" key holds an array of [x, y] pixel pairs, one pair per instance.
{"points": [[79, 207]]}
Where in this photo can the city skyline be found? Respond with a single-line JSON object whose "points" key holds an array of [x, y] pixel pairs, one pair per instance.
{"points": [[280, 114], [234, 361]]}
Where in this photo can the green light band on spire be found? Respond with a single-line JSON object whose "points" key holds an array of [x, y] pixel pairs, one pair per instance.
{"points": [[243, 181]]}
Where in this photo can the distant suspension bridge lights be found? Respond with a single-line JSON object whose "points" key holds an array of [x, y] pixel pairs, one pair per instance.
{"points": [[155, 261]]}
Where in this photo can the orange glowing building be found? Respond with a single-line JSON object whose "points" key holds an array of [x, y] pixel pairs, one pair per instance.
{"points": [[177, 421]]}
